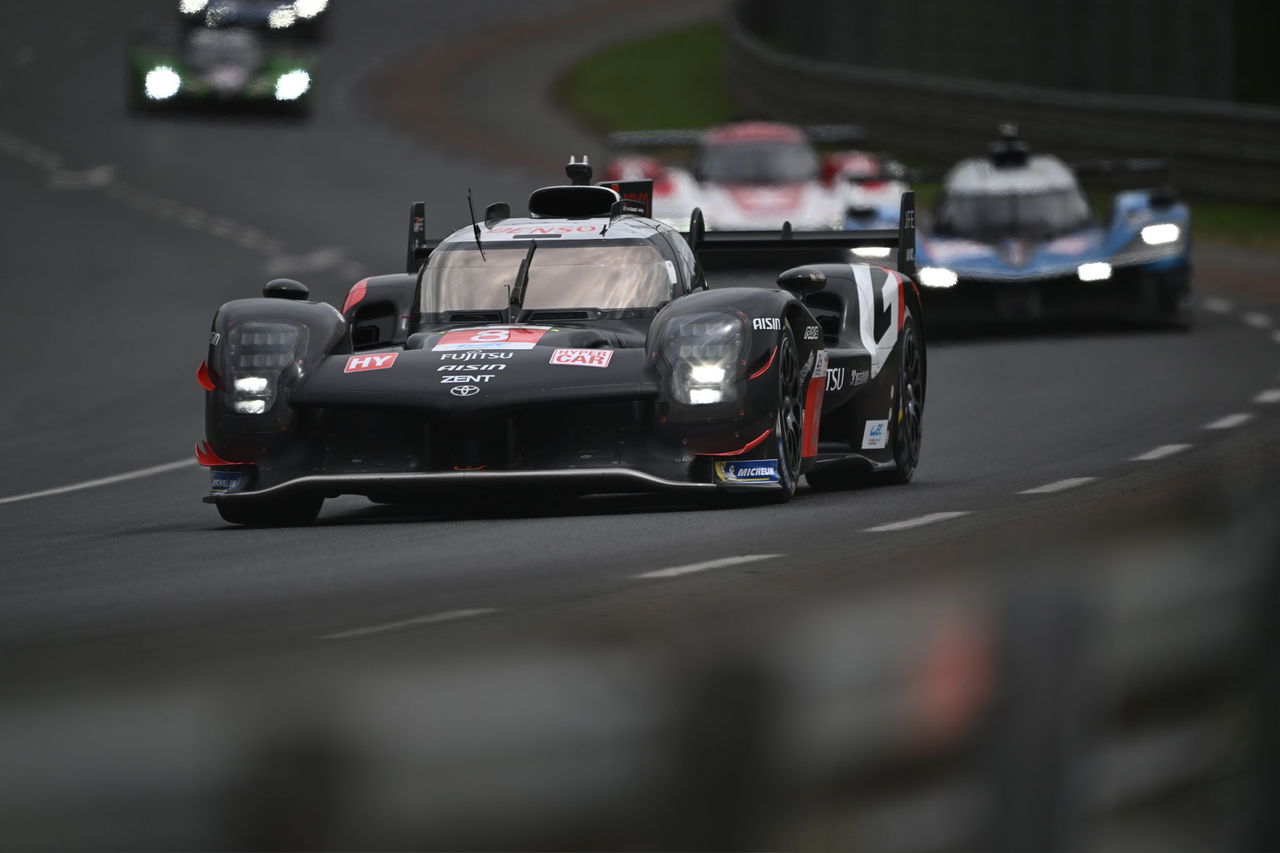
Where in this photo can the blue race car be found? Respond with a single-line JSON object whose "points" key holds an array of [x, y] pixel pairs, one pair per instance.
{"points": [[1013, 238]]}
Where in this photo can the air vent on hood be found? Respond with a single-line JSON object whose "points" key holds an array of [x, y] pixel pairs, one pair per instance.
{"points": [[551, 316], [572, 202]]}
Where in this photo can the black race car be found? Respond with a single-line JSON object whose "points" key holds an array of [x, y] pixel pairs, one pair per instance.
{"points": [[218, 69], [578, 349]]}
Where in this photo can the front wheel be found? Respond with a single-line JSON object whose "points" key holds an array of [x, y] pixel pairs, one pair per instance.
{"points": [[789, 429], [908, 414], [271, 512]]}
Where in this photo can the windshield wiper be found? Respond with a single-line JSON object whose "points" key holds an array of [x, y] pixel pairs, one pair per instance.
{"points": [[522, 281]]}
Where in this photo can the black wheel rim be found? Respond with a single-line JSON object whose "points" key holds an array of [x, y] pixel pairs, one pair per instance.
{"points": [[791, 411], [911, 402]]}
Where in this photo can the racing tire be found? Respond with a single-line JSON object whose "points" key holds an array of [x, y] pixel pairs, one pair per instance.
{"points": [[908, 408], [789, 427], [274, 512]]}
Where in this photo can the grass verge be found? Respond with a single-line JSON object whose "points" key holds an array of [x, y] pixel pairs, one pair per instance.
{"points": [[674, 79]]}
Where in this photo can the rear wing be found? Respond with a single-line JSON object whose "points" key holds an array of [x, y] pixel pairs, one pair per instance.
{"points": [[818, 134], [1127, 172], [639, 139], [1121, 168], [636, 196], [781, 250], [420, 248]]}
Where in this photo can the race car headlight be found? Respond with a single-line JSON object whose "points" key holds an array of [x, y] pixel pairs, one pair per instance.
{"points": [[162, 82], [705, 351], [252, 385], [707, 374], [876, 252], [938, 277], [292, 85], [282, 18], [1161, 234], [1097, 271], [310, 8], [256, 356], [192, 7]]}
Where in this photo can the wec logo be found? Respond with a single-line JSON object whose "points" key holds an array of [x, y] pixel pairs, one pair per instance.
{"points": [[876, 435]]}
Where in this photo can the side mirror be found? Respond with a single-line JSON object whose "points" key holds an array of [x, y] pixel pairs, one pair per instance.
{"points": [[802, 281], [1163, 198], [495, 213], [285, 288], [697, 230]]}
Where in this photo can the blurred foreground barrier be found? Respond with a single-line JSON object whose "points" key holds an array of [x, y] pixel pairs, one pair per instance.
{"points": [[1119, 697], [1217, 148]]}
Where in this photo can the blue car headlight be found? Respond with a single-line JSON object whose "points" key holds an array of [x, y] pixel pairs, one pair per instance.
{"points": [[705, 354], [1161, 234]]}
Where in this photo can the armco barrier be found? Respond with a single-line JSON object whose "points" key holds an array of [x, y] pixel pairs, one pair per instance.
{"points": [[1216, 148]]}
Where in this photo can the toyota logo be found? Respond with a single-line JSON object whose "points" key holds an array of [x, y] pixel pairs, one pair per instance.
{"points": [[464, 390]]}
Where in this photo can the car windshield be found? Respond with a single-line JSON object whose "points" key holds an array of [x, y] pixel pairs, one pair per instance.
{"points": [[606, 276], [208, 48], [989, 217], [758, 163]]}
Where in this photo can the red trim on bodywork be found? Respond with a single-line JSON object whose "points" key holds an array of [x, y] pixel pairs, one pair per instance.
{"points": [[755, 131], [750, 445], [767, 365], [204, 377], [357, 293], [206, 457], [813, 415], [902, 300]]}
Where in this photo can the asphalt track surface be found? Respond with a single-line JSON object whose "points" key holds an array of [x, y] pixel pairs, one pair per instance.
{"points": [[122, 236]]}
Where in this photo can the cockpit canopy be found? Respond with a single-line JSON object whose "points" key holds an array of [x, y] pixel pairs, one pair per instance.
{"points": [[987, 202], [600, 274]]}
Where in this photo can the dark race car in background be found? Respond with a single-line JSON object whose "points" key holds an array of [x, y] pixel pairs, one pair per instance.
{"points": [[578, 349], [1014, 238], [218, 69], [302, 17], [757, 175]]}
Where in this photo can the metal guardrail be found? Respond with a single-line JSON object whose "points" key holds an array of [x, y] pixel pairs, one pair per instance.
{"points": [[1217, 148]]}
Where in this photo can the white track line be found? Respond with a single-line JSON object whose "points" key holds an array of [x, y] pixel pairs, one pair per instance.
{"points": [[921, 521], [1257, 320], [433, 619], [104, 481], [1161, 452], [723, 562], [1230, 421], [1271, 395], [1217, 305], [1058, 486]]}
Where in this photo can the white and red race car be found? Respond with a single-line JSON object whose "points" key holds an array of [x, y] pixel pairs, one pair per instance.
{"points": [[755, 175]]}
